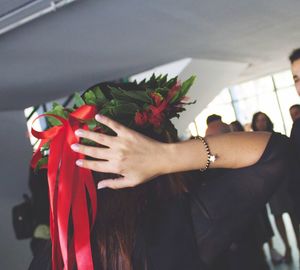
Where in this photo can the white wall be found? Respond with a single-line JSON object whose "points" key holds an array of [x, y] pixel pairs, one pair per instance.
{"points": [[211, 77], [15, 153]]}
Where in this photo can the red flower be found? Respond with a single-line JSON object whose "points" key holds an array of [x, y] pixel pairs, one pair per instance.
{"points": [[157, 98], [172, 92], [156, 115], [156, 120], [185, 98], [157, 110], [141, 118]]}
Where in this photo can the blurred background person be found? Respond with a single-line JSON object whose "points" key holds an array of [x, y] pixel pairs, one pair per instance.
{"points": [[236, 126], [295, 112], [294, 185], [295, 67], [215, 125]]}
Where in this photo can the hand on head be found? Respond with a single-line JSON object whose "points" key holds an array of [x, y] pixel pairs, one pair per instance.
{"points": [[130, 154]]}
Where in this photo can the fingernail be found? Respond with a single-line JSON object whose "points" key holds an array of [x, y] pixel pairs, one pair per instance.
{"points": [[101, 185], [75, 147], [79, 162], [79, 132], [98, 117]]}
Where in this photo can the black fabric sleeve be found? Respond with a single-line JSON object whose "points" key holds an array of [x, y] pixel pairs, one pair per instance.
{"points": [[226, 200]]}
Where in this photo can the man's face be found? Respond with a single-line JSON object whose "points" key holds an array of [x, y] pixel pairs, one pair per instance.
{"points": [[296, 74], [295, 113]]}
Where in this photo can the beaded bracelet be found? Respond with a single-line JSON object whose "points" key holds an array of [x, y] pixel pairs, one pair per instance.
{"points": [[210, 157]]}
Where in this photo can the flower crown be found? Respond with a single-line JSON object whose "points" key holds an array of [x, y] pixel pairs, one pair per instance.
{"points": [[157, 100], [151, 107]]}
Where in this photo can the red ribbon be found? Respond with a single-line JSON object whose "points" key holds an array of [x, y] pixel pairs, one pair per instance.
{"points": [[68, 189]]}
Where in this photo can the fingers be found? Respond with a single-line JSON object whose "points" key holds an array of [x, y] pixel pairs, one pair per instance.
{"points": [[96, 165], [115, 126], [99, 138], [117, 183], [95, 152]]}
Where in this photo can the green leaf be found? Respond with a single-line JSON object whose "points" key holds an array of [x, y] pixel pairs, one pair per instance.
{"points": [[118, 94], [58, 110], [105, 111], [171, 83], [163, 91], [175, 98], [119, 107], [53, 122], [41, 162], [139, 96], [90, 98], [100, 97], [78, 101], [124, 120], [163, 80], [142, 82], [88, 142], [152, 83], [125, 109], [45, 147], [186, 86], [184, 89], [92, 124]]}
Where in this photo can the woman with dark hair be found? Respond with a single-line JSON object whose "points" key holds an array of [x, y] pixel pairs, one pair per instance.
{"points": [[261, 122], [280, 202], [150, 215]]}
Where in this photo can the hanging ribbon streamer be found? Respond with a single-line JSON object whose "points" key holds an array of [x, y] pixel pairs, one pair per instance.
{"points": [[68, 189]]}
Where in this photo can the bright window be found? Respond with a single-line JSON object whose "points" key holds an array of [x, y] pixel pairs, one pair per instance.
{"points": [[273, 95]]}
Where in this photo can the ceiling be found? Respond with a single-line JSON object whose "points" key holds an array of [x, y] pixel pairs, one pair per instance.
{"points": [[94, 40]]}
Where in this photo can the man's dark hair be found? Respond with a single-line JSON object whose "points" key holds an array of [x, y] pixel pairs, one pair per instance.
{"points": [[295, 55], [295, 106], [213, 118]]}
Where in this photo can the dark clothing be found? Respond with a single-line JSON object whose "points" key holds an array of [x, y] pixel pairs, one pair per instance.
{"points": [[294, 183], [40, 199], [40, 206], [295, 136], [190, 231]]}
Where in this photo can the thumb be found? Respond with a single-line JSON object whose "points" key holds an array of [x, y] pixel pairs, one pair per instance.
{"points": [[116, 183]]}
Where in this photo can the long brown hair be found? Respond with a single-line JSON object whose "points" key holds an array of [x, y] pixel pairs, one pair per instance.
{"points": [[119, 214], [120, 211]]}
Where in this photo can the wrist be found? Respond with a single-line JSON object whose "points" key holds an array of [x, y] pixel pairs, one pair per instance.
{"points": [[166, 155]]}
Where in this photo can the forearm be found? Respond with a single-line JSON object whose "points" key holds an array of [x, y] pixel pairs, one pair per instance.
{"points": [[233, 150], [137, 158]]}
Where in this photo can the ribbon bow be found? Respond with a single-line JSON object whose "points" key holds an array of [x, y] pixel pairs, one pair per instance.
{"points": [[68, 189]]}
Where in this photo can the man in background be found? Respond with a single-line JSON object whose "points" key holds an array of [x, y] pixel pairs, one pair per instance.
{"points": [[295, 67], [295, 112], [215, 125], [295, 133]]}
